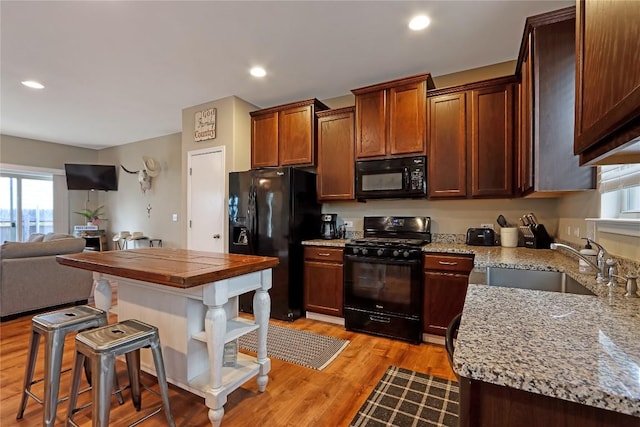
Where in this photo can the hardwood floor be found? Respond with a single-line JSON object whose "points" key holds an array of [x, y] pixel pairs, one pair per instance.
{"points": [[295, 396]]}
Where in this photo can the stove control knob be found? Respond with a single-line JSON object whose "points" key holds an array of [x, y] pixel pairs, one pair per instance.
{"points": [[406, 254], [380, 252], [396, 252], [356, 250], [364, 251]]}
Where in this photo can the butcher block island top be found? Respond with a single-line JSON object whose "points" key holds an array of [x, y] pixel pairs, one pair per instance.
{"points": [[181, 268]]}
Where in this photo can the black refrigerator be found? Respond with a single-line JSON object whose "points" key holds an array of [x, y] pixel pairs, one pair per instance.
{"points": [[271, 211]]}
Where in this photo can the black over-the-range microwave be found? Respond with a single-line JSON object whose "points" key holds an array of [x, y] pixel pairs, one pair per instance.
{"points": [[404, 177]]}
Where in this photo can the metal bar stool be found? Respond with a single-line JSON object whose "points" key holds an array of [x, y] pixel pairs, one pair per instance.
{"points": [[101, 346], [54, 326]]}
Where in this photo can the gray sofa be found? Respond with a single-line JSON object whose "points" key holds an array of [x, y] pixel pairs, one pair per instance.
{"points": [[31, 279]]}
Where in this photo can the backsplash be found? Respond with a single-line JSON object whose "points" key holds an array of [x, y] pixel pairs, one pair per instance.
{"points": [[625, 266], [448, 216]]}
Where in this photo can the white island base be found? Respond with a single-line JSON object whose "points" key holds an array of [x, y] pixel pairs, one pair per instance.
{"points": [[194, 324]]}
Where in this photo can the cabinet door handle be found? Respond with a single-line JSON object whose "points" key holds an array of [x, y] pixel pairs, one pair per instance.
{"points": [[447, 263], [323, 254]]}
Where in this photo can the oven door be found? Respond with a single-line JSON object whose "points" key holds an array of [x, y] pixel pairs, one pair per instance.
{"points": [[383, 285]]}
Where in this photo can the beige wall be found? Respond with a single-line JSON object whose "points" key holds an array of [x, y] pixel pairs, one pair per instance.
{"points": [[572, 212], [462, 77], [30, 152], [233, 132], [450, 216], [501, 69], [41, 154], [126, 209]]}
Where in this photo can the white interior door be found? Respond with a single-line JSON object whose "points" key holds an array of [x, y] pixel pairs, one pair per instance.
{"points": [[206, 201]]}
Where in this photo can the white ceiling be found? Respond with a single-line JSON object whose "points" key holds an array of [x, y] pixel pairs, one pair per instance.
{"points": [[122, 71]]}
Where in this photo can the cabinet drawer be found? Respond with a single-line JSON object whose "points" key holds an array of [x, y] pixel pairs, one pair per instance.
{"points": [[322, 253], [459, 263]]}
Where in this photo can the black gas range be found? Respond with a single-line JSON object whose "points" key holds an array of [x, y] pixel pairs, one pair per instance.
{"points": [[383, 277]]}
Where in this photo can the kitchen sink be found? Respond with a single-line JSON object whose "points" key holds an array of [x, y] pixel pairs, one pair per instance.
{"points": [[537, 280]]}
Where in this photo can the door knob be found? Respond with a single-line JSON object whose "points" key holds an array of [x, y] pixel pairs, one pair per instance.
{"points": [[216, 236]]}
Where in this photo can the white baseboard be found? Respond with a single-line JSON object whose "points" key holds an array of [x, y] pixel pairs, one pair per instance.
{"points": [[433, 339], [325, 318]]}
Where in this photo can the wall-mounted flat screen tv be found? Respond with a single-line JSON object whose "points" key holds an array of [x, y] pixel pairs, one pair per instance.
{"points": [[91, 177]]}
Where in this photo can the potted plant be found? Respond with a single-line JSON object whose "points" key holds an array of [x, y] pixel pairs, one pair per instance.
{"points": [[92, 216]]}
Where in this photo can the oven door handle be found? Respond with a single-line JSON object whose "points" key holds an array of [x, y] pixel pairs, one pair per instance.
{"points": [[358, 258], [379, 319]]}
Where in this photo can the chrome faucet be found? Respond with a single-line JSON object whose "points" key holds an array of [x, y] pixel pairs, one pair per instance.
{"points": [[603, 257], [596, 267]]}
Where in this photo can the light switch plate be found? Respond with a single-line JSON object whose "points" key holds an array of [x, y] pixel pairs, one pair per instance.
{"points": [[174, 217]]}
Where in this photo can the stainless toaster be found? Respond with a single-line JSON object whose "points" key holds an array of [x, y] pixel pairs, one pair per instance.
{"points": [[481, 237]]}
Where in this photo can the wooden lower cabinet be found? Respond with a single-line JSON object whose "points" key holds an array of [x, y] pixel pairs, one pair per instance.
{"points": [[323, 276], [446, 278], [490, 405]]}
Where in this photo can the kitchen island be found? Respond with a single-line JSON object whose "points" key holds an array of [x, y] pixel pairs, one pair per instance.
{"points": [[529, 357], [192, 297], [549, 358]]}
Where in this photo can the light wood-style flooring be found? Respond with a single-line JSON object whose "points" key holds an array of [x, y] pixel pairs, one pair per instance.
{"points": [[295, 396]]}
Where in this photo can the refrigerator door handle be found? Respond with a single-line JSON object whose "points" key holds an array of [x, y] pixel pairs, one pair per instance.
{"points": [[252, 217]]}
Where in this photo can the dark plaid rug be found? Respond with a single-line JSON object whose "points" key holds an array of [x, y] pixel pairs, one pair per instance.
{"points": [[408, 398]]}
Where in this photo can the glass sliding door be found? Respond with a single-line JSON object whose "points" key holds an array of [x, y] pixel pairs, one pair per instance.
{"points": [[8, 209], [26, 206]]}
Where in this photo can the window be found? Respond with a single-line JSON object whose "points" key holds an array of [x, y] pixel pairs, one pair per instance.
{"points": [[26, 205], [620, 188]]}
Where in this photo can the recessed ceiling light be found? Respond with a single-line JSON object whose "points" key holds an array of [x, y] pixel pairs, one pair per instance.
{"points": [[33, 84], [258, 72], [419, 22]]}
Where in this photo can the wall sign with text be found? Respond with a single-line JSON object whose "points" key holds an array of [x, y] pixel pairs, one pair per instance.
{"points": [[205, 122]]}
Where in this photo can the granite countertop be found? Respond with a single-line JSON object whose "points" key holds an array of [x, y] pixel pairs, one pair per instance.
{"points": [[336, 243], [580, 348]]}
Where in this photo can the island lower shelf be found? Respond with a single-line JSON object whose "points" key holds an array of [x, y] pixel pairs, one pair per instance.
{"points": [[232, 377], [236, 328]]}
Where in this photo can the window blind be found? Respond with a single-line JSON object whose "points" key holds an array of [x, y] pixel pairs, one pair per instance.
{"points": [[618, 177]]}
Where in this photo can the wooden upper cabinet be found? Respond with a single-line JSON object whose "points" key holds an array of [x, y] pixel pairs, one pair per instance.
{"points": [[264, 140], [391, 117], [471, 139], [524, 152], [547, 166], [492, 140], [336, 140], [296, 127], [371, 128], [607, 116], [407, 118], [447, 171], [285, 135]]}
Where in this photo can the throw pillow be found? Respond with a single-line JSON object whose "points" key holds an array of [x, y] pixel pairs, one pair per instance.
{"points": [[55, 236], [36, 237]]}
